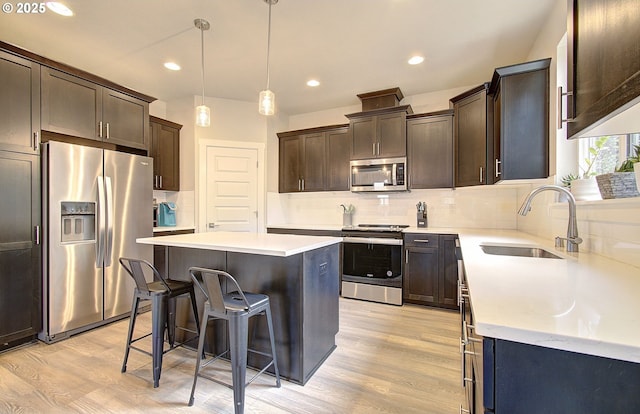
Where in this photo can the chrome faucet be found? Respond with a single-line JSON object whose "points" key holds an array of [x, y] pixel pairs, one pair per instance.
{"points": [[572, 230]]}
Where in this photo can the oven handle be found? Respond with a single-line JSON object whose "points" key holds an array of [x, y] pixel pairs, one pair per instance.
{"points": [[372, 240]]}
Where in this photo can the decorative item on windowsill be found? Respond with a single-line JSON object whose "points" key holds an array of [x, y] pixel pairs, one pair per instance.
{"points": [[621, 183], [422, 214], [636, 166], [347, 215], [584, 187]]}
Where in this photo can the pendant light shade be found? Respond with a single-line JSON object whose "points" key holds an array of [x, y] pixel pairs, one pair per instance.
{"points": [[203, 113], [267, 99], [267, 104], [203, 116]]}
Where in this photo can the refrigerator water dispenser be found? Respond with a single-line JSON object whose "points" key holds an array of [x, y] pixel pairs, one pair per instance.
{"points": [[78, 221]]}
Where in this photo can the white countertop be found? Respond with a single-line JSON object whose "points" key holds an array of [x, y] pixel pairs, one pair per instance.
{"points": [[252, 243], [159, 229], [329, 227], [583, 302]]}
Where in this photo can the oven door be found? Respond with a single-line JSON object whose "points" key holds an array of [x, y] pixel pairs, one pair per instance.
{"points": [[373, 261]]}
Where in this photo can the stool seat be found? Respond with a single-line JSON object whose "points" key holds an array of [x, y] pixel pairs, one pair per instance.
{"points": [[162, 293], [236, 307], [234, 302], [177, 287]]}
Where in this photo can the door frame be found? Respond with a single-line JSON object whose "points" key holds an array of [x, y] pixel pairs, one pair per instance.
{"points": [[203, 145]]}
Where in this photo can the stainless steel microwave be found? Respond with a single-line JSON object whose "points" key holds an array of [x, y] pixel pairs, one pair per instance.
{"points": [[384, 174]]}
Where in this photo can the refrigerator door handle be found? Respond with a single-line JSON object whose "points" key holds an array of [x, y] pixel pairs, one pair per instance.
{"points": [[102, 224], [108, 246]]}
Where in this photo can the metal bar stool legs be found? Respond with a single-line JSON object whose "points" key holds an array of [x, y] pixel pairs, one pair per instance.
{"points": [[236, 308], [163, 294], [238, 338], [158, 324], [201, 355]]}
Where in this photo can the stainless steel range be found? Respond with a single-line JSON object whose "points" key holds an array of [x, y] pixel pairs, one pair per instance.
{"points": [[372, 263]]}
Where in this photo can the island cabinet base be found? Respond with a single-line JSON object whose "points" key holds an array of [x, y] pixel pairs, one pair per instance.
{"points": [[302, 289], [523, 379]]}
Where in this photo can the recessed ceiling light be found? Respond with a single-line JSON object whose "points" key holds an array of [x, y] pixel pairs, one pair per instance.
{"points": [[172, 66], [313, 83], [59, 8], [416, 60]]}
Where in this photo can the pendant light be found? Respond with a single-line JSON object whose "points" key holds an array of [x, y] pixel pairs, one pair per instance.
{"points": [[267, 100], [203, 113]]}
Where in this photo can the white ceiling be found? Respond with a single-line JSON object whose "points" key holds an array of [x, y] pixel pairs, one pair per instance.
{"points": [[350, 46]]}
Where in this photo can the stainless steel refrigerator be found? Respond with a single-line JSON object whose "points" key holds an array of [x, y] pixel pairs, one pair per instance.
{"points": [[96, 203]]}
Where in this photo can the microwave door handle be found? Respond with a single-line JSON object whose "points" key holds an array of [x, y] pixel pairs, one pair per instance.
{"points": [[394, 174]]}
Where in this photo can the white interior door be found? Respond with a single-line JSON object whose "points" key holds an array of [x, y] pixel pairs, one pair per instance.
{"points": [[231, 199]]}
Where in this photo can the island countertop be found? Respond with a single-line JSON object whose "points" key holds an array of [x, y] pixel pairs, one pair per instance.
{"points": [[282, 245]]}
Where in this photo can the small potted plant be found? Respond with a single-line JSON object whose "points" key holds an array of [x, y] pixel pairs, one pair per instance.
{"points": [[623, 182], [584, 186]]}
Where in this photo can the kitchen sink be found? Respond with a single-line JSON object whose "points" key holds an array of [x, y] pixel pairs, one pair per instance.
{"points": [[521, 251]]}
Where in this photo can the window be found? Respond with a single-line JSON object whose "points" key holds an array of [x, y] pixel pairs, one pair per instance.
{"points": [[601, 155]]}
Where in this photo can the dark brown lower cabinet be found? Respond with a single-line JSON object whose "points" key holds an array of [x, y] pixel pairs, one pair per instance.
{"points": [[20, 292], [430, 271], [526, 379]]}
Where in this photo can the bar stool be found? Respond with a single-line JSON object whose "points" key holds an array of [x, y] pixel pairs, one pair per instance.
{"points": [[162, 293], [236, 308]]}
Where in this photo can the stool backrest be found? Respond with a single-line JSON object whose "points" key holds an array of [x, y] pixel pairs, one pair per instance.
{"points": [[210, 282], [135, 268]]}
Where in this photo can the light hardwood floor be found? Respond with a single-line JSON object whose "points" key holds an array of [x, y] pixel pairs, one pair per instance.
{"points": [[388, 359]]}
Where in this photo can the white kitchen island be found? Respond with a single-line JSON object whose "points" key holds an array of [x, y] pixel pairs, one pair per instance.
{"points": [[299, 273]]}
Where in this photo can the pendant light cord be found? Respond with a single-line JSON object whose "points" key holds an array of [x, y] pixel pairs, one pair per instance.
{"points": [[202, 57], [268, 42]]}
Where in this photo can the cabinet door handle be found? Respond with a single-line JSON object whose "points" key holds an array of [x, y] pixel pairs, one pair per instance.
{"points": [[108, 136], [378, 145], [160, 181], [373, 149], [481, 176], [155, 181], [302, 180], [100, 129], [562, 120], [37, 234], [35, 141], [498, 173], [421, 240], [406, 256]]}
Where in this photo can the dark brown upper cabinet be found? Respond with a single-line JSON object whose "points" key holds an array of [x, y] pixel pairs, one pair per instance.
{"points": [[472, 128], [81, 108], [19, 104], [380, 133], [520, 148], [338, 156], [165, 150], [603, 65], [314, 159], [430, 149]]}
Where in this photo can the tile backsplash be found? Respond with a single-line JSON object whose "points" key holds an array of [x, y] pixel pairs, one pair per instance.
{"points": [[609, 228], [474, 207]]}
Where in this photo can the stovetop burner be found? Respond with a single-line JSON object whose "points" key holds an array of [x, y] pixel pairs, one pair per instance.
{"points": [[377, 227]]}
